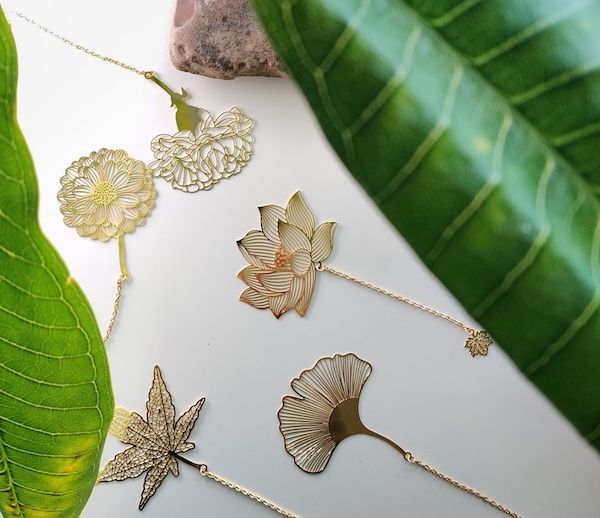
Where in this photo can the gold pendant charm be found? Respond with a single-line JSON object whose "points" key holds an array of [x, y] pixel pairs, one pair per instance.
{"points": [[205, 149], [478, 342]]}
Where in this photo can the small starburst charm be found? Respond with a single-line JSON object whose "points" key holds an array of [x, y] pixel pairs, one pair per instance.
{"points": [[478, 343]]}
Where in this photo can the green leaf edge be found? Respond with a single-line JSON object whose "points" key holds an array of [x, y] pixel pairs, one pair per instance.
{"points": [[10, 506]]}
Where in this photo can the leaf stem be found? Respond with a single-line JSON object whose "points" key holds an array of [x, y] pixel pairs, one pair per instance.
{"points": [[385, 439], [122, 257], [199, 467]]}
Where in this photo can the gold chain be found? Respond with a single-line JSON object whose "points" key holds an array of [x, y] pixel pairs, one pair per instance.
{"points": [[413, 460], [405, 300], [203, 468], [90, 52], [113, 318]]}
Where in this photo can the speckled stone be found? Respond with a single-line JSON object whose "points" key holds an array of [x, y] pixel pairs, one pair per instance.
{"points": [[221, 39]]}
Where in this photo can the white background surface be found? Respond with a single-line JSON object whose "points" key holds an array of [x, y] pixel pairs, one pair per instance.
{"points": [[478, 420]]}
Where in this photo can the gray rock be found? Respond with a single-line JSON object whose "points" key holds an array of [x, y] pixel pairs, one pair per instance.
{"points": [[221, 39]]}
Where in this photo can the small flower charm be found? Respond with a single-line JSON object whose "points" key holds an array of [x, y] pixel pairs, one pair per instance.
{"points": [[478, 342], [196, 160], [106, 194], [284, 257]]}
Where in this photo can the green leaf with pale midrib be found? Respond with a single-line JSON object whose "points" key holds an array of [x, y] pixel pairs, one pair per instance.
{"points": [[474, 125], [55, 396]]}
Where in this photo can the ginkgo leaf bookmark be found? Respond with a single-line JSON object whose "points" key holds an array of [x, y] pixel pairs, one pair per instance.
{"points": [[158, 443], [324, 411], [289, 250]]}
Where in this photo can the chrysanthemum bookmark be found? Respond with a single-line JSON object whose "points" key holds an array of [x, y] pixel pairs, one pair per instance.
{"points": [[325, 411], [106, 195], [289, 250], [158, 442]]}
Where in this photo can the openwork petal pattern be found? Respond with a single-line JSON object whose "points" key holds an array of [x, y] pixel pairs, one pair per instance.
{"points": [[106, 194], [305, 421], [193, 161], [284, 256]]}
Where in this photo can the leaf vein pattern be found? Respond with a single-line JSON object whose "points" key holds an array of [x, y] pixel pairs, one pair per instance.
{"points": [[555, 82], [391, 87], [11, 140], [582, 319], [430, 140], [526, 34], [42, 382], [577, 134], [454, 13], [480, 197], [345, 38], [321, 83], [532, 253], [39, 353]]}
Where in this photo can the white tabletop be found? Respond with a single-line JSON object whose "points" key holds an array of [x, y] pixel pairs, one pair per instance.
{"points": [[479, 420]]}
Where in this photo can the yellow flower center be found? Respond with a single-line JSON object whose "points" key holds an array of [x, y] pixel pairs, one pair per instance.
{"points": [[281, 258], [104, 193]]}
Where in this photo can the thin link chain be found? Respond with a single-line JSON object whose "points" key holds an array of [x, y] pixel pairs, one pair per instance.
{"points": [[467, 489], [113, 318], [203, 468], [324, 268], [90, 52]]}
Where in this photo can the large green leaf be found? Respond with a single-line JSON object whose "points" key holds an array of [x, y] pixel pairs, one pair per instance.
{"points": [[55, 396], [475, 127]]}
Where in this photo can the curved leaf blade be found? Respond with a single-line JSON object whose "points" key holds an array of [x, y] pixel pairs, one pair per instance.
{"points": [[474, 125], [55, 395]]}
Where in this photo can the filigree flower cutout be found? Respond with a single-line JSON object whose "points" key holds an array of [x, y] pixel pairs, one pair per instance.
{"points": [[155, 441], [106, 194], [326, 412], [284, 256], [196, 160]]}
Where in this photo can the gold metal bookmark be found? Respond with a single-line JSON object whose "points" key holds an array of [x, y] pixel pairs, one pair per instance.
{"points": [[325, 411], [108, 194], [104, 196], [289, 250], [204, 150], [158, 443]]}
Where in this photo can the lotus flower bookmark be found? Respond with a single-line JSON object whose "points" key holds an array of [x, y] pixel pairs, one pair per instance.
{"points": [[324, 412], [285, 256], [158, 442]]}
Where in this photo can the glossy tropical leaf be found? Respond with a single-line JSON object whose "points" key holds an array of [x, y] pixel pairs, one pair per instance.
{"points": [[55, 396], [475, 127]]}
